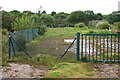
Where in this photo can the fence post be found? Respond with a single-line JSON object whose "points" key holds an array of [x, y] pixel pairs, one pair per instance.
{"points": [[78, 47], [118, 45], [9, 46]]}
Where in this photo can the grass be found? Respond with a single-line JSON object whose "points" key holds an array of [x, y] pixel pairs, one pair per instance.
{"points": [[72, 70], [70, 32], [46, 50]]}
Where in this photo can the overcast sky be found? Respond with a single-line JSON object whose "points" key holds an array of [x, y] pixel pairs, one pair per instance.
{"points": [[98, 6]]}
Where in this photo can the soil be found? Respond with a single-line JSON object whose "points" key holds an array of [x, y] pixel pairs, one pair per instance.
{"points": [[107, 70], [16, 70]]}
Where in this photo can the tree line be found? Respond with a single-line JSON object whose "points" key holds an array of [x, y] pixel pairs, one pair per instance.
{"points": [[27, 19]]}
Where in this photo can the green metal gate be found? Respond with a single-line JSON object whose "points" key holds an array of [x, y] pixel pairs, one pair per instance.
{"points": [[98, 47]]}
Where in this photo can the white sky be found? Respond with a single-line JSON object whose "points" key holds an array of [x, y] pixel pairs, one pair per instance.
{"points": [[98, 6]]}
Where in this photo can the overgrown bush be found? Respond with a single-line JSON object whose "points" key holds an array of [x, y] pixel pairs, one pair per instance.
{"points": [[92, 23], [4, 31], [104, 25], [80, 25], [116, 25], [24, 22], [41, 30]]}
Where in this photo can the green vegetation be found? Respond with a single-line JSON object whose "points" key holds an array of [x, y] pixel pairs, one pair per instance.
{"points": [[72, 70], [70, 32], [27, 19], [80, 25], [116, 26], [49, 46], [104, 25], [24, 22]]}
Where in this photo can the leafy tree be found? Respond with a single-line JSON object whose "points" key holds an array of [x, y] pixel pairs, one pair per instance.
{"points": [[114, 17], [15, 13], [89, 15], [99, 16], [25, 22], [6, 20], [76, 17], [47, 20], [61, 19], [27, 12], [44, 12], [61, 15], [53, 13]]}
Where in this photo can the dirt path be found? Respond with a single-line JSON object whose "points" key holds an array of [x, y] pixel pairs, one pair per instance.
{"points": [[108, 70], [16, 70]]}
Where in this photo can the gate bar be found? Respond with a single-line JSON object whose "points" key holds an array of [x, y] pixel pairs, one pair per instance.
{"points": [[78, 46]]}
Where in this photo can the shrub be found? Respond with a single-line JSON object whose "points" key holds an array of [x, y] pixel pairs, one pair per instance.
{"points": [[92, 23], [104, 25], [80, 25], [24, 22], [41, 30], [116, 25], [4, 31]]}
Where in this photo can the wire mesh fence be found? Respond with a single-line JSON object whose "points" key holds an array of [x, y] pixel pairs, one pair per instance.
{"points": [[19, 39]]}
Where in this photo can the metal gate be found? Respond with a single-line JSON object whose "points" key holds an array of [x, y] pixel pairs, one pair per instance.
{"points": [[98, 47]]}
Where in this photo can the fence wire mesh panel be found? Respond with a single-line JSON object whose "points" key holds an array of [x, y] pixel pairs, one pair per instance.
{"points": [[19, 39], [99, 47]]}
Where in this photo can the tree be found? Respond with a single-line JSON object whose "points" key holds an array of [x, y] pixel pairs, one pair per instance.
{"points": [[44, 12], [6, 20], [27, 12], [76, 17], [114, 17], [47, 20], [53, 13], [61, 19], [15, 13], [24, 22], [89, 15], [99, 16]]}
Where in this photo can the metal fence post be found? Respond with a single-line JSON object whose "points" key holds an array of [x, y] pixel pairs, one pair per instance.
{"points": [[78, 47], [9, 46], [118, 46]]}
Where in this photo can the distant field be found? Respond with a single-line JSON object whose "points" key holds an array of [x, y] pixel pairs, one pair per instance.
{"points": [[71, 32]]}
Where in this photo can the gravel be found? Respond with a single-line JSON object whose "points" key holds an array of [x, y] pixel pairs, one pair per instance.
{"points": [[16, 70], [106, 70]]}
